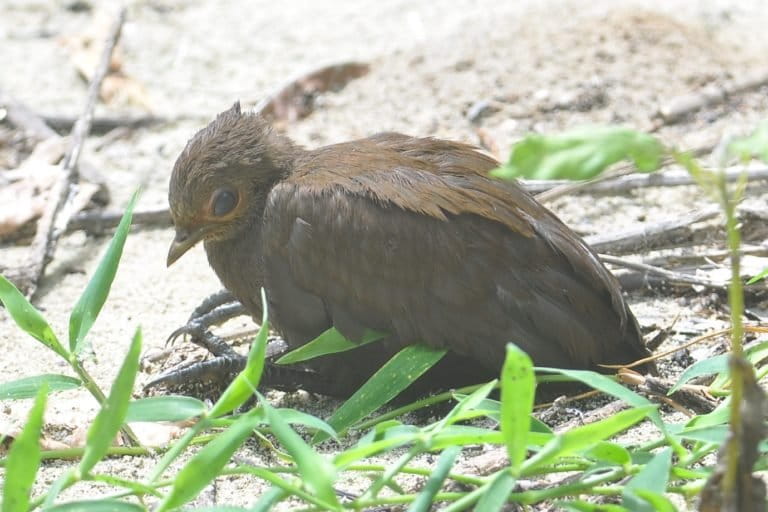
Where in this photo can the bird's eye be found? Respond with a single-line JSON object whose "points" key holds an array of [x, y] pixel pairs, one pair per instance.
{"points": [[224, 201]]}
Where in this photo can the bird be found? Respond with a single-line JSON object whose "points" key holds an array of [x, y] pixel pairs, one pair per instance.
{"points": [[406, 236]]}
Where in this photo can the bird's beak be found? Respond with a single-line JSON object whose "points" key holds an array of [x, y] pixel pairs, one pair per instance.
{"points": [[184, 241]]}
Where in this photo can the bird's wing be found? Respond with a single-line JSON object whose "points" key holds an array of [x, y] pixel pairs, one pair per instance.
{"points": [[434, 252]]}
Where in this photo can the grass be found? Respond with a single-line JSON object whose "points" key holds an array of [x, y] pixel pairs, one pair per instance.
{"points": [[638, 477]]}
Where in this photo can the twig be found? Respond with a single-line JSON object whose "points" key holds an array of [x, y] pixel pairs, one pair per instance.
{"points": [[50, 227], [97, 221], [23, 117], [669, 232], [671, 178], [108, 123], [670, 276], [680, 106]]}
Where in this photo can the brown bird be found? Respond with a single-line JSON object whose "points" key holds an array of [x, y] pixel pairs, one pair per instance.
{"points": [[403, 235]]}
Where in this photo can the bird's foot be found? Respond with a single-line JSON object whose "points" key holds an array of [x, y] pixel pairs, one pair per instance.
{"points": [[210, 370], [214, 310]]}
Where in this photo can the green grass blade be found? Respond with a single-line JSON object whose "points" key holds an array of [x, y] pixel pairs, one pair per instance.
{"points": [[653, 477], [28, 387], [208, 462], [423, 501], [496, 496], [111, 417], [584, 437], [164, 408], [518, 387], [330, 342], [611, 453], [28, 318], [95, 294], [269, 499], [717, 364], [397, 374], [247, 381], [96, 506], [317, 473], [294, 417], [24, 458]]}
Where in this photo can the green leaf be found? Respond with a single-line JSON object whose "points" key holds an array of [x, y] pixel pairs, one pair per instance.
{"points": [[717, 364], [206, 464], [712, 434], [247, 381], [111, 417], [24, 459], [423, 501], [752, 146], [28, 387], [518, 387], [397, 374], [28, 318], [609, 452], [317, 473], [269, 499], [585, 506], [580, 154], [330, 342], [95, 294], [607, 385], [164, 408], [496, 495], [105, 505], [658, 502], [294, 417], [719, 416], [759, 277], [653, 477], [584, 437]]}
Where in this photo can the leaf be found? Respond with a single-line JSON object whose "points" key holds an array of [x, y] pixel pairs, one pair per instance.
{"points": [[105, 505], [423, 501], [95, 294], [585, 506], [716, 434], [518, 387], [397, 374], [28, 387], [759, 277], [584, 437], [316, 472], [752, 146], [206, 464], [658, 502], [580, 154], [247, 381], [609, 452], [294, 417], [716, 364], [24, 458], [653, 477], [496, 495], [28, 318], [330, 342], [113, 411], [164, 408]]}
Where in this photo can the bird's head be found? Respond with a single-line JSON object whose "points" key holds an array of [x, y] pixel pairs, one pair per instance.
{"points": [[222, 177]]}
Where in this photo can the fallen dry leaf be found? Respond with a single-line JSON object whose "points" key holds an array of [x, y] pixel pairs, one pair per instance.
{"points": [[295, 100]]}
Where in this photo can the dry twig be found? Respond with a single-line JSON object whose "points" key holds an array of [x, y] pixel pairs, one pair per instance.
{"points": [[53, 222]]}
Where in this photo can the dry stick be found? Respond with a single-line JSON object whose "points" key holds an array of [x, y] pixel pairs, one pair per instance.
{"points": [[668, 232], [680, 106], [23, 117], [50, 227], [672, 178], [671, 277], [98, 221]]}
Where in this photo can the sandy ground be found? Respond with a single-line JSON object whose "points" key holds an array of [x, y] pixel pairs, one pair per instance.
{"points": [[542, 66]]}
